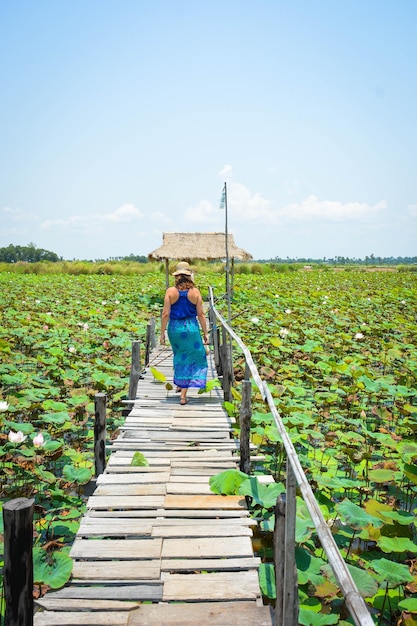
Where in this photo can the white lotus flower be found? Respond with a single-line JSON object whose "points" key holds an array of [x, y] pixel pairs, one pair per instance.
{"points": [[38, 440], [288, 311], [71, 349], [284, 332], [255, 320], [85, 326], [359, 336], [3, 406], [18, 437]]}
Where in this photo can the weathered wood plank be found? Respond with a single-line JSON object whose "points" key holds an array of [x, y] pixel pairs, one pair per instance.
{"points": [[203, 614], [50, 603], [203, 547], [214, 586], [113, 527], [204, 502], [125, 502], [143, 489], [81, 618], [205, 565], [121, 549], [134, 477], [134, 591], [116, 570], [214, 529], [188, 488], [173, 513]]}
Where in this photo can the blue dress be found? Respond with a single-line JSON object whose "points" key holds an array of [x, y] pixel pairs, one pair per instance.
{"points": [[190, 360]]}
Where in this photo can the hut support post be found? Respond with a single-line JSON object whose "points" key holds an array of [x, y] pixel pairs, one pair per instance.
{"points": [[244, 421], [100, 402], [134, 369], [286, 607], [167, 273], [18, 561]]}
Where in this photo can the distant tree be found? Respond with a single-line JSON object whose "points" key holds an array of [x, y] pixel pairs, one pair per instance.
{"points": [[29, 254]]}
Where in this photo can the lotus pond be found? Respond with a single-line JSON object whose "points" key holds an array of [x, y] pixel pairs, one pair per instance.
{"points": [[338, 350]]}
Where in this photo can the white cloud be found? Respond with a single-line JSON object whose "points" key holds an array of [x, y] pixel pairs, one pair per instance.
{"points": [[94, 222], [125, 213], [330, 210], [226, 172], [17, 215], [247, 206], [412, 209], [203, 213]]}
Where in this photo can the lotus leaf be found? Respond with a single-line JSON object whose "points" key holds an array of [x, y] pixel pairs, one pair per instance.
{"points": [[409, 604], [262, 495], [139, 460], [394, 574], [227, 482], [51, 568], [267, 580], [356, 516], [396, 544], [310, 618], [79, 475]]}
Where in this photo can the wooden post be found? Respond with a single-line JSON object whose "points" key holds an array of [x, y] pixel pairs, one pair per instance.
{"points": [[100, 402], [291, 582], [286, 607], [279, 559], [18, 561], [134, 369], [245, 415], [225, 358], [150, 339], [152, 336]]}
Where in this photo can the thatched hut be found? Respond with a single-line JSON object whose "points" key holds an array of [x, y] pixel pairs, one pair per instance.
{"points": [[202, 246]]}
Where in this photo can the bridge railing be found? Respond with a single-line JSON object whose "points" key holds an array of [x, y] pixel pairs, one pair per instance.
{"points": [[286, 611]]}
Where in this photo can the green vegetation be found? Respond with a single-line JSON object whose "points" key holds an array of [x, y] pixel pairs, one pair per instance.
{"points": [[338, 350]]}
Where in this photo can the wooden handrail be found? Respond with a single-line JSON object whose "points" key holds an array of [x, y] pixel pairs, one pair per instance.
{"points": [[354, 601]]}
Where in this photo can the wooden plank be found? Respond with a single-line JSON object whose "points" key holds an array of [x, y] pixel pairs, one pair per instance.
{"points": [[50, 603], [214, 529], [204, 502], [188, 488], [134, 477], [151, 489], [135, 591], [173, 513], [81, 618], [205, 565], [116, 570], [214, 586], [203, 547], [113, 527], [203, 614], [125, 502], [121, 549]]}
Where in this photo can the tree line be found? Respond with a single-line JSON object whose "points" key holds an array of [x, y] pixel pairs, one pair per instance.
{"points": [[32, 254]]}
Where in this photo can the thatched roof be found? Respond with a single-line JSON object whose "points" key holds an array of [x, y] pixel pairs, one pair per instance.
{"points": [[205, 246]]}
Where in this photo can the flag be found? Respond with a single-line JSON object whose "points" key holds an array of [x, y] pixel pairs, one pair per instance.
{"points": [[223, 198]]}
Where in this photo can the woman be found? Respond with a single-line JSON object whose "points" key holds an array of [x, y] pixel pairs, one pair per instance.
{"points": [[183, 306]]}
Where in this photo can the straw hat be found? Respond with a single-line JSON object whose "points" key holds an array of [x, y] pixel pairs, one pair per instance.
{"points": [[183, 268]]}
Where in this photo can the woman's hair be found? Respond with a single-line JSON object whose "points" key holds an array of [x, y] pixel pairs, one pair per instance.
{"points": [[182, 281]]}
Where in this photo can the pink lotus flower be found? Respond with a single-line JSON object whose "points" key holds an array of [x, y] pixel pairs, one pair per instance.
{"points": [[38, 440]]}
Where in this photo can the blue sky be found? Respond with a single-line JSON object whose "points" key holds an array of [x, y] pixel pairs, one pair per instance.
{"points": [[122, 120]]}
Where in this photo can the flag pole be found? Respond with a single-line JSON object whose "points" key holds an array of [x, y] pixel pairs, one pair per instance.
{"points": [[229, 315]]}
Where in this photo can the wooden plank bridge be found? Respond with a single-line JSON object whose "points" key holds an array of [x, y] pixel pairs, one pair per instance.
{"points": [[156, 546]]}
